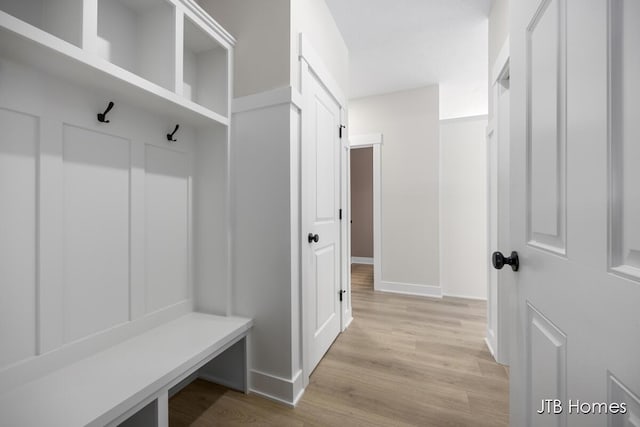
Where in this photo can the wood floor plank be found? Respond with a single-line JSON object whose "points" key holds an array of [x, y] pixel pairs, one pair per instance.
{"points": [[404, 361]]}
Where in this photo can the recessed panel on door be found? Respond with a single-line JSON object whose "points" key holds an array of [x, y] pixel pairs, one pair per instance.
{"points": [[96, 231], [625, 134], [18, 147], [325, 261], [325, 162], [546, 139], [167, 225], [620, 394], [547, 370]]}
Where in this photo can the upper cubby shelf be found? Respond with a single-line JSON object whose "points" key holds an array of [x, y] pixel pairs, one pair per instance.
{"points": [[202, 56], [61, 18], [139, 36], [167, 56]]}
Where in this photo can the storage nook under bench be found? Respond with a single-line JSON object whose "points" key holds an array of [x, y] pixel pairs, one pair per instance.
{"points": [[114, 220]]}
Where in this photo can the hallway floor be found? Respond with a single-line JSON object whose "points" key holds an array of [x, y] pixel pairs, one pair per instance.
{"points": [[403, 361]]}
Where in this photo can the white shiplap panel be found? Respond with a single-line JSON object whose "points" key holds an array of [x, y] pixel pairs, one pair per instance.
{"points": [[18, 147], [96, 232], [167, 222]]}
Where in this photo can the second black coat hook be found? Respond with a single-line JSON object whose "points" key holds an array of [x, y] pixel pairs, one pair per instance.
{"points": [[170, 135]]}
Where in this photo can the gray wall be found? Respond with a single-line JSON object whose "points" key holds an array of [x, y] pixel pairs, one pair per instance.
{"points": [[362, 202], [463, 198], [262, 30], [409, 123]]}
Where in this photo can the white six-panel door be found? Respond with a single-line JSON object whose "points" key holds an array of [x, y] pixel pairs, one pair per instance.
{"points": [[320, 216], [575, 211]]}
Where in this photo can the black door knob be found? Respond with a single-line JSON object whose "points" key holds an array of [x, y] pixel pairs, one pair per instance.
{"points": [[498, 260], [313, 238]]}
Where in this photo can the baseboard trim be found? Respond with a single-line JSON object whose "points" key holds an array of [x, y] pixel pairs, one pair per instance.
{"points": [[493, 353], [281, 390], [446, 294], [411, 289], [347, 323], [361, 260]]}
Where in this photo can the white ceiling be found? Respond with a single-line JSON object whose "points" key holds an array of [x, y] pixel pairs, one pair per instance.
{"points": [[403, 44]]}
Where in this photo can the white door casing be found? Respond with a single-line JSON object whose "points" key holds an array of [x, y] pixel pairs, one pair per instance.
{"points": [[321, 200], [575, 211], [499, 285]]}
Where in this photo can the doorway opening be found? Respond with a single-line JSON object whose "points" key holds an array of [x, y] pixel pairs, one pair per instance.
{"points": [[365, 204]]}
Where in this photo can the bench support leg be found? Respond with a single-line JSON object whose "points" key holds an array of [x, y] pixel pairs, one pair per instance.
{"points": [[229, 368], [163, 409]]}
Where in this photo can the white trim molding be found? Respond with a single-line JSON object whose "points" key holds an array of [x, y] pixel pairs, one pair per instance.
{"points": [[361, 260], [316, 64], [464, 119], [269, 98], [410, 289], [278, 389], [501, 62], [367, 140], [446, 294]]}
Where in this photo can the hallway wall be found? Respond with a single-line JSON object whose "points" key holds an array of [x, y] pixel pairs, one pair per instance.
{"points": [[463, 209], [410, 168]]}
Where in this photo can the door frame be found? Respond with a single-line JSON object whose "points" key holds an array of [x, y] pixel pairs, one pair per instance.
{"points": [[499, 346], [373, 140], [312, 66]]}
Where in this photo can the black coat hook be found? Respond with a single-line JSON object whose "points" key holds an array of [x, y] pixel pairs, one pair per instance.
{"points": [[170, 135], [102, 117]]}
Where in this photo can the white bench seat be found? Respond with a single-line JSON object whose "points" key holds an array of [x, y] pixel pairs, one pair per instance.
{"points": [[110, 385]]}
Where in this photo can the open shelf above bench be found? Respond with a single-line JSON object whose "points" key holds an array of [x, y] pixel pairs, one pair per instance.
{"points": [[205, 69], [61, 18], [139, 36], [129, 48]]}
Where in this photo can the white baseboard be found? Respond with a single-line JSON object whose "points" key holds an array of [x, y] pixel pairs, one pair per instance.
{"points": [[361, 260], [411, 289], [493, 353], [282, 390], [348, 323], [446, 294]]}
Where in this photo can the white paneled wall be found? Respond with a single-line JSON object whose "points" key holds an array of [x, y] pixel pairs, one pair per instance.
{"points": [[95, 206], [97, 221], [167, 226], [18, 148]]}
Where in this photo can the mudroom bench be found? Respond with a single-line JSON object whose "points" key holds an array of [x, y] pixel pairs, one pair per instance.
{"points": [[129, 384]]}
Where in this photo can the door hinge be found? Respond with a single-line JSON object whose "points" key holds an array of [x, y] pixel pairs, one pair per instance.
{"points": [[340, 214], [340, 293], [340, 128]]}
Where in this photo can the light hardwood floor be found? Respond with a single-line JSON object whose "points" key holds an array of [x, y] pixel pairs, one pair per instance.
{"points": [[403, 361]]}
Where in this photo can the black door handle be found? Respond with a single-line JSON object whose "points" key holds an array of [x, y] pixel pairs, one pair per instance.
{"points": [[313, 238], [498, 260]]}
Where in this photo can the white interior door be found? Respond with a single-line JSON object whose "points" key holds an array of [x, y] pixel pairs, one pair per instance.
{"points": [[575, 212], [320, 218]]}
